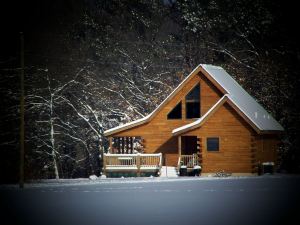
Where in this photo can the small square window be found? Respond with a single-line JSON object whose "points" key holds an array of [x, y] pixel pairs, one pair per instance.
{"points": [[212, 144]]}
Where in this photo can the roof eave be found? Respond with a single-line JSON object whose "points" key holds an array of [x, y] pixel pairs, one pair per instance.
{"points": [[127, 126]]}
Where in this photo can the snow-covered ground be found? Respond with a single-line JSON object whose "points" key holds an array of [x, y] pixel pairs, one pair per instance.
{"points": [[102, 180], [263, 200]]}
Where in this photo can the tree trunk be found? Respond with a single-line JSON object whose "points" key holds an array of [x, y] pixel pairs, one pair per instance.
{"points": [[53, 141]]}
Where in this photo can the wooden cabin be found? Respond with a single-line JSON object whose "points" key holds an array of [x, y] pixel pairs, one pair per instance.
{"points": [[208, 120]]}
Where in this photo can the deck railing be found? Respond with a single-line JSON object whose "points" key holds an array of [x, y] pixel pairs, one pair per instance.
{"points": [[136, 162], [188, 160]]}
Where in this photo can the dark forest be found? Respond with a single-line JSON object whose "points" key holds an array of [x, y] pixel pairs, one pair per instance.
{"points": [[94, 64]]}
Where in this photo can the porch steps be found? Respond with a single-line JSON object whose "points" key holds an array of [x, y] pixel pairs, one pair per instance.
{"points": [[168, 171]]}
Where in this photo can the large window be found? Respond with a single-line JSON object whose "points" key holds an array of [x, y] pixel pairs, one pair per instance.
{"points": [[175, 112], [192, 103], [212, 144]]}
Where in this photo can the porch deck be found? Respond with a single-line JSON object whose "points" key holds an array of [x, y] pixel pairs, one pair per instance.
{"points": [[132, 163]]}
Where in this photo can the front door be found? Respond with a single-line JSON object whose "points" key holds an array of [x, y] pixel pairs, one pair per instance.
{"points": [[188, 145]]}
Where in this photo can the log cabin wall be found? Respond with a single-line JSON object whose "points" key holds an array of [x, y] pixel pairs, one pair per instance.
{"points": [[235, 138], [267, 148], [158, 132]]}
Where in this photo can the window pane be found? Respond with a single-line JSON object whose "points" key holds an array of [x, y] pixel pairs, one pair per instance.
{"points": [[212, 144], [192, 110], [192, 100], [176, 112], [194, 94]]}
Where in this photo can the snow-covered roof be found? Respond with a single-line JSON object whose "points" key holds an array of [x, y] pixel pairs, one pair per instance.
{"points": [[246, 103], [127, 125], [232, 90]]}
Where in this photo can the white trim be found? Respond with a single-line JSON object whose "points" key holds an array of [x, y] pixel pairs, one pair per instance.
{"points": [[111, 167], [129, 155], [121, 127]]}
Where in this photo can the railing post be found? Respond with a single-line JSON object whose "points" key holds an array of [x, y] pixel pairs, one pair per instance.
{"points": [[138, 164], [110, 145], [179, 146]]}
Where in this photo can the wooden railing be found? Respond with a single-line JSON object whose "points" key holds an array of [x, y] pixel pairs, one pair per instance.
{"points": [[119, 159], [150, 160], [188, 160], [136, 162]]}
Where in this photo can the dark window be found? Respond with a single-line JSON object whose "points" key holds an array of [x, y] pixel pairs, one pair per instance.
{"points": [[192, 110], [194, 94], [176, 112], [192, 102], [212, 144]]}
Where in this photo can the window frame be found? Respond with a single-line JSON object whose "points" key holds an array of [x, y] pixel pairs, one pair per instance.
{"points": [[213, 151], [187, 101]]}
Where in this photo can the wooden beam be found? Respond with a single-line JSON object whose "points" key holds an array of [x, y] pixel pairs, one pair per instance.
{"points": [[123, 143], [131, 144], [179, 145], [127, 145], [119, 145], [110, 145], [138, 164]]}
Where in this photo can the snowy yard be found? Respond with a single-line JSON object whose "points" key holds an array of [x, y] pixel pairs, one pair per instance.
{"points": [[254, 200]]}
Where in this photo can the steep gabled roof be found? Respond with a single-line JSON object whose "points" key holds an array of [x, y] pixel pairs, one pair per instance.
{"points": [[253, 111], [245, 103]]}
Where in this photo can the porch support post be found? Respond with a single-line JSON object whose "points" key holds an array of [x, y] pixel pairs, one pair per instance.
{"points": [[127, 145], [123, 143], [119, 145], [110, 145], [179, 146], [138, 164]]}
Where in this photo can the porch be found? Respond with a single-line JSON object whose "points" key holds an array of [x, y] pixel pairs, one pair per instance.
{"points": [[126, 157], [132, 164]]}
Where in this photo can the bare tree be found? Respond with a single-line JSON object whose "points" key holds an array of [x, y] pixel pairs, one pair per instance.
{"points": [[54, 121]]}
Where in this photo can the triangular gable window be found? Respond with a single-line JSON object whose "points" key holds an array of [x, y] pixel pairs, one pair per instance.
{"points": [[175, 112], [192, 101]]}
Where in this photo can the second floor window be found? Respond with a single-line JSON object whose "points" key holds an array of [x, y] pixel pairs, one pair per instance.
{"points": [[192, 103]]}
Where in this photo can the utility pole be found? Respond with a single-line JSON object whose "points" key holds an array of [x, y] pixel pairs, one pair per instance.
{"points": [[21, 182]]}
